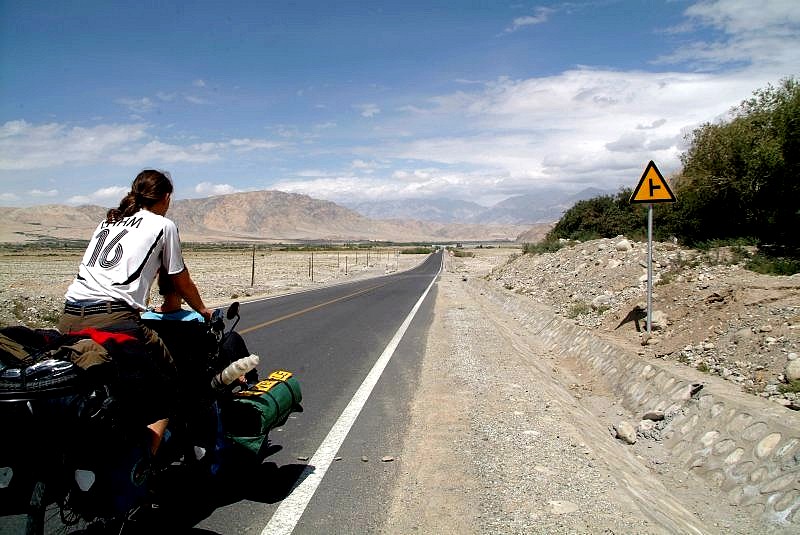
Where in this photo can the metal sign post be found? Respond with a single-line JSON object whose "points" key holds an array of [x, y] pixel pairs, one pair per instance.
{"points": [[652, 188], [649, 268]]}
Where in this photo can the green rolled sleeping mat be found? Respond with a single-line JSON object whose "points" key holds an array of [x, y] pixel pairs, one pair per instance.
{"points": [[252, 413]]}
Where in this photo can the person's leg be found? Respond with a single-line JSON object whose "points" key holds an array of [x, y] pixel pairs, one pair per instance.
{"points": [[130, 323], [157, 429]]}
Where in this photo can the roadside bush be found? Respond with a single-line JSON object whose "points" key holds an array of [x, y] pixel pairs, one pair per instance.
{"points": [[577, 309], [601, 217], [793, 386], [546, 246], [768, 265]]}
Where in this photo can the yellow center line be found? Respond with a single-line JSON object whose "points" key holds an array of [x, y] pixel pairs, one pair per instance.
{"points": [[309, 309]]}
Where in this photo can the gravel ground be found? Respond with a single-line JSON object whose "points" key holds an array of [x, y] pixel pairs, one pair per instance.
{"points": [[506, 437], [496, 445]]}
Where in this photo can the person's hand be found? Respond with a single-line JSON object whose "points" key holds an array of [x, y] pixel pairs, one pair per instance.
{"points": [[206, 313]]}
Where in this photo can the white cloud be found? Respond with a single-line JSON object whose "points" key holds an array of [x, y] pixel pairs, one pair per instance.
{"points": [[199, 83], [368, 110], [366, 166], [194, 100], [109, 196], [764, 35], [651, 126], [540, 16], [482, 187], [28, 146], [745, 16], [137, 105], [43, 194], [247, 144], [581, 126], [209, 189]]}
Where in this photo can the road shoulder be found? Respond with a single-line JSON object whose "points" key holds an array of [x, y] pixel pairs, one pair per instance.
{"points": [[493, 445]]}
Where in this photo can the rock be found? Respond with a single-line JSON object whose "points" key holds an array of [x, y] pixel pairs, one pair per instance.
{"points": [[689, 392], [625, 432], [792, 356], [792, 371], [659, 319], [741, 335], [601, 301], [645, 426], [655, 415], [623, 245], [387, 459], [562, 507], [765, 328]]}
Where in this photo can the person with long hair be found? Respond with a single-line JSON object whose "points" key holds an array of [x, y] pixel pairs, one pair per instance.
{"points": [[119, 267]]}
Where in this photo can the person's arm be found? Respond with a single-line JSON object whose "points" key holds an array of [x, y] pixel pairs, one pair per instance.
{"points": [[188, 290]]}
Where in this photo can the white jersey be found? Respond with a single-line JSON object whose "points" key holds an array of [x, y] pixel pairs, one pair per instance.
{"points": [[122, 259]]}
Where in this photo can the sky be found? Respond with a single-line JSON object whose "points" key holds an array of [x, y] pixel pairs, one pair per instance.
{"points": [[364, 101]]}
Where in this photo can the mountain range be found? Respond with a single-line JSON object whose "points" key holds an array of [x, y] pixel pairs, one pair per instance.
{"points": [[543, 205], [275, 216]]}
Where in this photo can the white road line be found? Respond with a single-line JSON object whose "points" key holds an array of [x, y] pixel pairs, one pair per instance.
{"points": [[287, 515]]}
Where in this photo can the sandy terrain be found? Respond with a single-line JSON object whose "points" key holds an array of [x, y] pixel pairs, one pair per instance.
{"points": [[33, 281]]}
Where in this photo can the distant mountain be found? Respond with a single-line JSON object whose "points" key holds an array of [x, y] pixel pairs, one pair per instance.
{"points": [[541, 206], [269, 216], [440, 210], [544, 205]]}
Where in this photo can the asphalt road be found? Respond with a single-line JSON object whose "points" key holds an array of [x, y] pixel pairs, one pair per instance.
{"points": [[331, 338]]}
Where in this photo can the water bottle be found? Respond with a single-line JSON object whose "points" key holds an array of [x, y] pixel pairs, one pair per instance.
{"points": [[233, 370]]}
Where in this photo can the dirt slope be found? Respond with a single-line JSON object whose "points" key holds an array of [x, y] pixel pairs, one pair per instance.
{"points": [[709, 312]]}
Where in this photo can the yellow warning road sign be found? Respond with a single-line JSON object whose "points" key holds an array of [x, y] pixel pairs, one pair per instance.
{"points": [[652, 187]]}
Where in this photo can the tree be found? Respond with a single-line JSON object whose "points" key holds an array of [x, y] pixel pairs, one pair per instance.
{"points": [[600, 217], [739, 178]]}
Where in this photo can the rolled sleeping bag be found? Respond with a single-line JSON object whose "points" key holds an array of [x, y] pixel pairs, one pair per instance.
{"points": [[252, 413]]}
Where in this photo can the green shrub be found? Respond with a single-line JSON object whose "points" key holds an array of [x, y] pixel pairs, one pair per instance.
{"points": [[577, 309], [791, 387], [768, 265], [546, 246]]}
